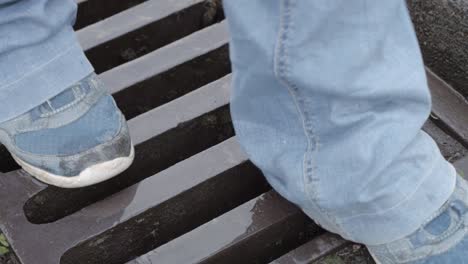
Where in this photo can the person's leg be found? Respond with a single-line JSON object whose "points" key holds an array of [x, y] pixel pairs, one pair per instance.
{"points": [[56, 118], [39, 53], [328, 100]]}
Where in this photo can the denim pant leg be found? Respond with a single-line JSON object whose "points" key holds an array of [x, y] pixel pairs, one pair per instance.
{"points": [[39, 53], [329, 97]]}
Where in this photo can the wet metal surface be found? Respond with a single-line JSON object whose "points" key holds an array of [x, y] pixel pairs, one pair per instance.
{"points": [[28, 239], [192, 196], [250, 233]]}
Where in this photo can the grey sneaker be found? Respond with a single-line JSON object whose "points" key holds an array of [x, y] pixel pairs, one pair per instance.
{"points": [[74, 139], [443, 239]]}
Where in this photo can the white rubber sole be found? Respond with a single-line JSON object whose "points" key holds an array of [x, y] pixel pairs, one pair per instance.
{"points": [[92, 175]]}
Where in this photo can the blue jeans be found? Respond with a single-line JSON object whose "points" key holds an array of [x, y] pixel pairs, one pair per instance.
{"points": [[329, 97], [39, 53]]}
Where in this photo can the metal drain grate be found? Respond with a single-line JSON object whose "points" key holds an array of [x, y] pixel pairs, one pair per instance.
{"points": [[191, 196]]}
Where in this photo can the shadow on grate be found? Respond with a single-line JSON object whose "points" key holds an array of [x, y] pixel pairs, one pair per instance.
{"points": [[171, 218], [192, 195], [151, 157]]}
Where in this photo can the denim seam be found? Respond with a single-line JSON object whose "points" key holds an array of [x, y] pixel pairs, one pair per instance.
{"points": [[419, 256], [282, 74], [38, 68], [280, 70]]}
